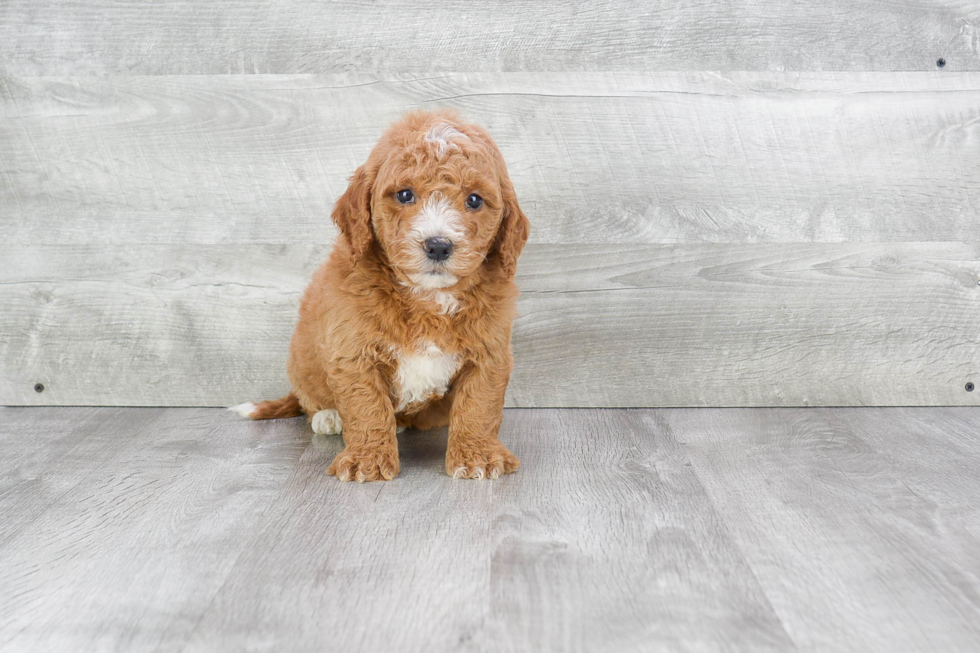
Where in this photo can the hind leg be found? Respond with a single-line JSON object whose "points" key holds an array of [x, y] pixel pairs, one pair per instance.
{"points": [[433, 416], [319, 405], [311, 387]]}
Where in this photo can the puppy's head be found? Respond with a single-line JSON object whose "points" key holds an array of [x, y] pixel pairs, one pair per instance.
{"points": [[435, 196]]}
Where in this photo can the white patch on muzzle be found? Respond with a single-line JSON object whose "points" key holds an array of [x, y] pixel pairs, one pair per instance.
{"points": [[433, 280], [437, 219]]}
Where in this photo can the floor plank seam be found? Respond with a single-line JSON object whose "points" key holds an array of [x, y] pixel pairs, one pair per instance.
{"points": [[256, 535], [729, 532]]}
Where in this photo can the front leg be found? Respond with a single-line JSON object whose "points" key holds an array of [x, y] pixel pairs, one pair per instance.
{"points": [[474, 449], [371, 448]]}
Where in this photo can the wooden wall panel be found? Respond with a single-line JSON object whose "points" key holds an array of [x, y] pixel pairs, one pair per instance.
{"points": [[732, 203], [596, 158], [641, 325], [65, 37]]}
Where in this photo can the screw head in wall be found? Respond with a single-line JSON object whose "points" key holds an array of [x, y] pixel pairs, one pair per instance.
{"points": [[940, 62], [38, 387], [969, 386]]}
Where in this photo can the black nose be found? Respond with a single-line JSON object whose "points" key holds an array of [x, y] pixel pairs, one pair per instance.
{"points": [[438, 249]]}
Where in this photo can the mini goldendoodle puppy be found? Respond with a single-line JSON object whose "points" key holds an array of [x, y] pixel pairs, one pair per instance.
{"points": [[407, 323]]}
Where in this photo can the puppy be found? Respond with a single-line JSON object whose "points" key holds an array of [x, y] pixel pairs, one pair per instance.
{"points": [[407, 323]]}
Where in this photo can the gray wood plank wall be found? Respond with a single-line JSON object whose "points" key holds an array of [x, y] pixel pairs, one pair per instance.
{"points": [[59, 37], [732, 205]]}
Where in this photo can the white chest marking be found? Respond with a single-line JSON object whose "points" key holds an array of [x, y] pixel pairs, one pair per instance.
{"points": [[424, 374]]}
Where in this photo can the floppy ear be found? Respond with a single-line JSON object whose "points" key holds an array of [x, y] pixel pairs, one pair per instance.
{"points": [[352, 213], [513, 231], [514, 226]]}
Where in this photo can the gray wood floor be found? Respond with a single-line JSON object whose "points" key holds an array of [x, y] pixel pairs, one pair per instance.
{"points": [[132, 529]]}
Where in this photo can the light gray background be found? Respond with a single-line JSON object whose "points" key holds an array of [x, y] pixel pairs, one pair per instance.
{"points": [[733, 204]]}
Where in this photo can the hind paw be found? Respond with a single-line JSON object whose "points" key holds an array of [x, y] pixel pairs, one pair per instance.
{"points": [[327, 422]]}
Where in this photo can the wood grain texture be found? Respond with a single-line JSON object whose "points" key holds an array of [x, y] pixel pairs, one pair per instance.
{"points": [[605, 540], [637, 557], [847, 483], [749, 325], [699, 325], [699, 239], [41, 449], [156, 513], [599, 157], [946, 486], [256, 36], [401, 565], [653, 530], [637, 560]]}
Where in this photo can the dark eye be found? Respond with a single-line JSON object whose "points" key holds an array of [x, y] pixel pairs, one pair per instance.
{"points": [[405, 196], [474, 201]]}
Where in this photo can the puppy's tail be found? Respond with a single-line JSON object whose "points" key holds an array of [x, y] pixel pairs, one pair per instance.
{"points": [[288, 406]]}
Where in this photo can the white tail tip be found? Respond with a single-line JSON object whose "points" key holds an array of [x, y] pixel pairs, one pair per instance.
{"points": [[245, 410]]}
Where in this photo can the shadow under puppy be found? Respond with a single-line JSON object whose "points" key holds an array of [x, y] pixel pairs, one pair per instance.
{"points": [[408, 322]]}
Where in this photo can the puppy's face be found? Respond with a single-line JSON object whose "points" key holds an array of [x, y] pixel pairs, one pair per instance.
{"points": [[437, 199], [436, 205]]}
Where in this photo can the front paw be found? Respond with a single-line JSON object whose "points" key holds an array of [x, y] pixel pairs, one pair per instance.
{"points": [[480, 460], [365, 464]]}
